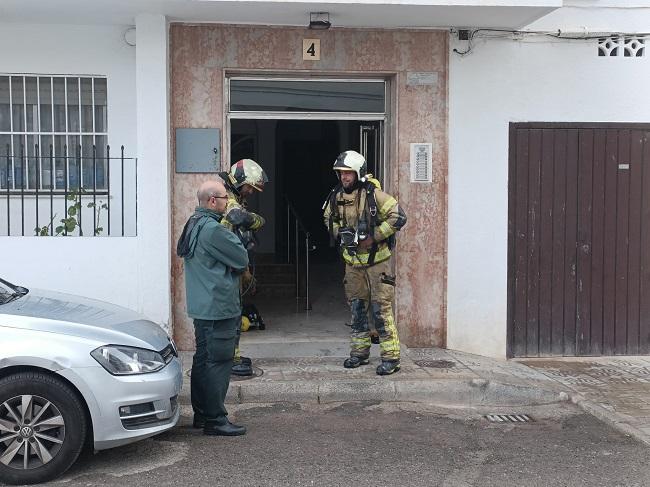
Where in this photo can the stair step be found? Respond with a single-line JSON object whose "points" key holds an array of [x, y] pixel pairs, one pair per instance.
{"points": [[275, 268], [275, 290], [271, 280]]}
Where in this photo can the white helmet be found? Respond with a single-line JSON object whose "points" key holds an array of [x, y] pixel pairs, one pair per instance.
{"points": [[351, 161], [247, 171]]}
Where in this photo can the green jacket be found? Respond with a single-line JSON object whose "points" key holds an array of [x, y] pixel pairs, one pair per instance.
{"points": [[213, 265]]}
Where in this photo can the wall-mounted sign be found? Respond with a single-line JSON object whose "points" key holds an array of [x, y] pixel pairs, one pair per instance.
{"points": [[198, 150], [311, 49], [421, 79]]}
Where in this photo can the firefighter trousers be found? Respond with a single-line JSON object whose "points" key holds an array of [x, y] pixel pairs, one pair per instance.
{"points": [[247, 283], [372, 289]]}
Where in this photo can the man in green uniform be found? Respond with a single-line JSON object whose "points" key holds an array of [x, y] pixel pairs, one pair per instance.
{"points": [[364, 220], [245, 177], [214, 259]]}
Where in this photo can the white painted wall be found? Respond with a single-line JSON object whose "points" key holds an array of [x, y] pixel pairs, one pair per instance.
{"points": [[130, 271], [504, 81], [154, 228]]}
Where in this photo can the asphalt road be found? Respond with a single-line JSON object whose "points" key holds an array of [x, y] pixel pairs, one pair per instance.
{"points": [[371, 444]]}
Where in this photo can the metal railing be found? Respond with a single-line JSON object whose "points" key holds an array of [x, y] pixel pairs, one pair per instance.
{"points": [[296, 227], [81, 195]]}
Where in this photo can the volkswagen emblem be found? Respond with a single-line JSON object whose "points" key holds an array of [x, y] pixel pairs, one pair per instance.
{"points": [[26, 432]]}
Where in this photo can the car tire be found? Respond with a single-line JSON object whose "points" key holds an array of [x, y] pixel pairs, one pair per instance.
{"points": [[49, 424]]}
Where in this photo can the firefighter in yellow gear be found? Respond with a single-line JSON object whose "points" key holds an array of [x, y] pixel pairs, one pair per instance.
{"points": [[245, 177], [363, 220]]}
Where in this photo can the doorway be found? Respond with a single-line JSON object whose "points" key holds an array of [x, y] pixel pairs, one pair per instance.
{"points": [[298, 156], [295, 129]]}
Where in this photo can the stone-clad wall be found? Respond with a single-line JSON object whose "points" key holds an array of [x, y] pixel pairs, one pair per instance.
{"points": [[201, 53]]}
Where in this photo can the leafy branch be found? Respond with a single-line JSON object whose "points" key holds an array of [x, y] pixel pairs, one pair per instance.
{"points": [[72, 221]]}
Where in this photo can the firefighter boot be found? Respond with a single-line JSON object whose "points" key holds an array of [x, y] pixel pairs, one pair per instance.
{"points": [[354, 362], [388, 367]]}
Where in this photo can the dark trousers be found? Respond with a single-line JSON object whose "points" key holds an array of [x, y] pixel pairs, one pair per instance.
{"points": [[215, 348]]}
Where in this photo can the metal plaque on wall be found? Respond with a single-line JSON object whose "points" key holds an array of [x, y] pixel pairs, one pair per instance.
{"points": [[198, 150]]}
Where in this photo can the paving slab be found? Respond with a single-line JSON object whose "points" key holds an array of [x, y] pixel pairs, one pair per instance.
{"points": [[614, 389]]}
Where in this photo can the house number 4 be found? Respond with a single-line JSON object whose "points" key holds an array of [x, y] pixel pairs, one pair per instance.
{"points": [[311, 49]]}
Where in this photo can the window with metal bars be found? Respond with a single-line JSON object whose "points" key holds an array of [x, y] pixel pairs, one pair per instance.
{"points": [[53, 132]]}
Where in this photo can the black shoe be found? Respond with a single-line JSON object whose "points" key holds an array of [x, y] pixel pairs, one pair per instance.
{"points": [[223, 429], [388, 367], [242, 369], [245, 360], [198, 422], [354, 362]]}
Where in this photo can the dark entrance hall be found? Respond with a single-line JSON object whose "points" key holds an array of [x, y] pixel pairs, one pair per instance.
{"points": [[298, 156]]}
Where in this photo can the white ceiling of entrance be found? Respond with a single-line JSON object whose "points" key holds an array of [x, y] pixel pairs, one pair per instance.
{"points": [[365, 13]]}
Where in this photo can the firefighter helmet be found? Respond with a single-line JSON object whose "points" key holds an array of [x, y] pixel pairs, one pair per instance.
{"points": [[351, 161], [247, 171]]}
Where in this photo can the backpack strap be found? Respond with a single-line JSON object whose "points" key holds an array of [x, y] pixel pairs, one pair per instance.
{"points": [[334, 211], [373, 212]]}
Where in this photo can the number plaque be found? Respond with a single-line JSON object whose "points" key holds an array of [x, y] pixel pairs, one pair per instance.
{"points": [[311, 49]]}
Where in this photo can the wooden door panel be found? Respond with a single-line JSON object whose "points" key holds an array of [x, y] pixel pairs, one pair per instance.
{"points": [[579, 239]]}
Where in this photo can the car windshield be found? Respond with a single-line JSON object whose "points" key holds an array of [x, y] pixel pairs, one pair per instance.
{"points": [[10, 292]]}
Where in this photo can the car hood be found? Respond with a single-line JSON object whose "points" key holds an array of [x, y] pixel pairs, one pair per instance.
{"points": [[67, 314]]}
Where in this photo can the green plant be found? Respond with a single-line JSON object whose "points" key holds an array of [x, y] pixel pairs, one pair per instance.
{"points": [[44, 231], [72, 221]]}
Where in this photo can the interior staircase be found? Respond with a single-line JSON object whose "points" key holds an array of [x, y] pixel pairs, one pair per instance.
{"points": [[274, 279]]}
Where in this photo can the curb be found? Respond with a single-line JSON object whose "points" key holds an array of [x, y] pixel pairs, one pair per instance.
{"points": [[445, 393], [615, 420]]}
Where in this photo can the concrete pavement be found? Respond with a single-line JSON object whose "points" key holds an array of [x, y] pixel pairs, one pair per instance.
{"points": [[433, 376], [614, 389]]}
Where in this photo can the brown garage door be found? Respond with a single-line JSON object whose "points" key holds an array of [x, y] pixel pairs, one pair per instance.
{"points": [[579, 240]]}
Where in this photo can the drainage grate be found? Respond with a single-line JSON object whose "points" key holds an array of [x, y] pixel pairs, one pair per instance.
{"points": [[435, 364], [509, 418]]}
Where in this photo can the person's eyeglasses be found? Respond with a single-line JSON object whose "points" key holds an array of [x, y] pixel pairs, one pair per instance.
{"points": [[217, 196]]}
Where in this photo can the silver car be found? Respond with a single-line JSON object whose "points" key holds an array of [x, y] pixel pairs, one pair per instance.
{"points": [[77, 372]]}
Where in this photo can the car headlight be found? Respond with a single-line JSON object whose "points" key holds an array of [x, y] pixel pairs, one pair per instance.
{"points": [[120, 360]]}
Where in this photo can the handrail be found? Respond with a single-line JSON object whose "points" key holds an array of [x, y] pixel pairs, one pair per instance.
{"points": [[299, 226], [294, 212]]}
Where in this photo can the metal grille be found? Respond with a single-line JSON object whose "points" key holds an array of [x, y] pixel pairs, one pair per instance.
{"points": [[435, 364], [64, 112], [105, 207], [509, 418]]}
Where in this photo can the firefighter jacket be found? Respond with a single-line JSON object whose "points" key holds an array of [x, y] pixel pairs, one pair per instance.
{"points": [[237, 216], [357, 210]]}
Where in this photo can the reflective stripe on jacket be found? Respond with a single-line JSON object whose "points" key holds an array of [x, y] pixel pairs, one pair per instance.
{"points": [[352, 207]]}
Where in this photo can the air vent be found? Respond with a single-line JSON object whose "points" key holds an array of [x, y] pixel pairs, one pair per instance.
{"points": [[421, 164], [622, 46], [509, 418]]}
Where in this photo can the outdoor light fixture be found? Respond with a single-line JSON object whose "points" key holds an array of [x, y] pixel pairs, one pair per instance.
{"points": [[319, 20]]}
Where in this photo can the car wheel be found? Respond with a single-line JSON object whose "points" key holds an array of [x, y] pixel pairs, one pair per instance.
{"points": [[42, 428]]}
